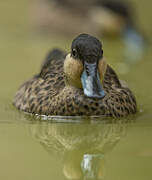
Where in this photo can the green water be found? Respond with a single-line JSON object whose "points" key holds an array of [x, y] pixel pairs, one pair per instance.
{"points": [[36, 150]]}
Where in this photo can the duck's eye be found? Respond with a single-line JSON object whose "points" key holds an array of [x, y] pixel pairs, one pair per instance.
{"points": [[102, 53], [74, 52]]}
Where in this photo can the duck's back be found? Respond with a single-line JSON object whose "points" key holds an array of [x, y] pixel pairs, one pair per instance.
{"points": [[35, 94]]}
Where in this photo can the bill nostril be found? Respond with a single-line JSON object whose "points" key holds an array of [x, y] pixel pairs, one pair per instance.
{"points": [[87, 71], [90, 69]]}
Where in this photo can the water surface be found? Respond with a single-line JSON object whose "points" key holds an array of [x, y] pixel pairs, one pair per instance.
{"points": [[71, 149]]}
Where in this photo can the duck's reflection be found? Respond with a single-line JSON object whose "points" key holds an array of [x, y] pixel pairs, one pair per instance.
{"points": [[82, 146]]}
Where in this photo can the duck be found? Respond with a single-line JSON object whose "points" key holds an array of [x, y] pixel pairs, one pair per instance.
{"points": [[79, 83]]}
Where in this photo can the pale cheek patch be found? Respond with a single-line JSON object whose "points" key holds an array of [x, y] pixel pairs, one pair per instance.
{"points": [[102, 66], [73, 70]]}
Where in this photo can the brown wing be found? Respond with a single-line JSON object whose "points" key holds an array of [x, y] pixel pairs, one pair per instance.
{"points": [[35, 94]]}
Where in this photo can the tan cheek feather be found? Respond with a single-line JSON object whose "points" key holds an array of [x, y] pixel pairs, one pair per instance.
{"points": [[73, 70], [102, 66]]}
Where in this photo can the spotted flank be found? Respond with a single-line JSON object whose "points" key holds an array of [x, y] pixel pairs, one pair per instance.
{"points": [[77, 84]]}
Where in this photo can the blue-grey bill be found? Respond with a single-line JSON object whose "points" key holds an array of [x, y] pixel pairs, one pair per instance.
{"points": [[91, 83]]}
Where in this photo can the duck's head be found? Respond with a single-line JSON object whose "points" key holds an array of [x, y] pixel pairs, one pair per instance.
{"points": [[84, 67]]}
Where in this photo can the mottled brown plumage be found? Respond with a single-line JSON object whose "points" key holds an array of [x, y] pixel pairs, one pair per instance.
{"points": [[50, 93]]}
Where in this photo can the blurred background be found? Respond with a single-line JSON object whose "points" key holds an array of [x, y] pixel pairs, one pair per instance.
{"points": [[29, 30]]}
